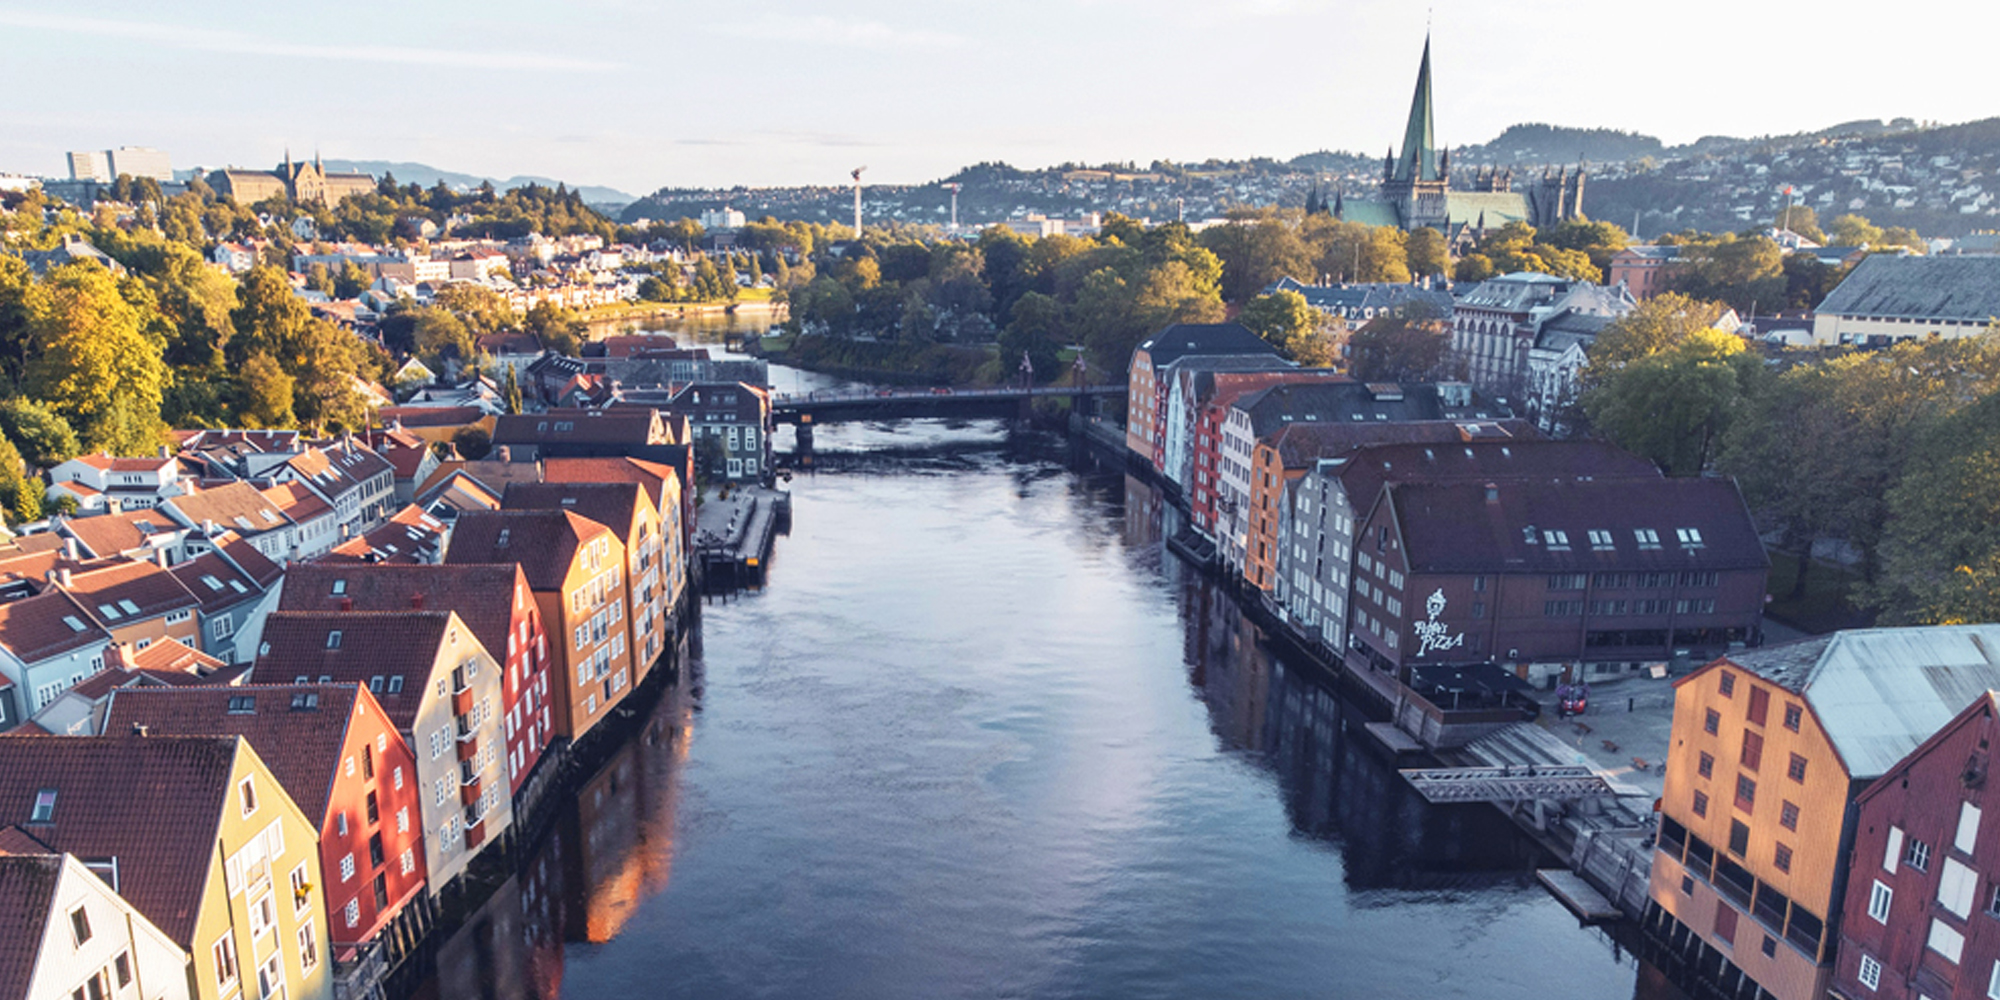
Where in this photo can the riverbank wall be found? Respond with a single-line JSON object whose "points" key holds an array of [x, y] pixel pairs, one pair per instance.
{"points": [[643, 316]]}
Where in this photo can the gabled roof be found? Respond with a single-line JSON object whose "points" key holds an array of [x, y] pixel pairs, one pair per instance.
{"points": [[1960, 288], [1302, 444], [237, 506], [610, 426], [27, 893], [298, 502], [121, 594], [215, 582], [652, 475], [1350, 402], [389, 644], [154, 803], [1880, 692], [299, 738], [494, 475], [1183, 339], [544, 542], [109, 463], [409, 536], [431, 416], [46, 625], [116, 534], [1363, 471], [481, 593], [1465, 527], [614, 505], [340, 466]]}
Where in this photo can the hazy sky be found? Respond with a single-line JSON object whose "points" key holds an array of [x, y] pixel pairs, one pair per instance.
{"points": [[639, 95]]}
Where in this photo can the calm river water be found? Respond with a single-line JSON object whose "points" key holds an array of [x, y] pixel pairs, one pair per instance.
{"points": [[982, 737]]}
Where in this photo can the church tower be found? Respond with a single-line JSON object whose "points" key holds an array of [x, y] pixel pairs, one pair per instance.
{"points": [[1416, 182]]}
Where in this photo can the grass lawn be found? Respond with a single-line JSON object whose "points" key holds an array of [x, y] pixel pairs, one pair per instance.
{"points": [[1823, 607]]}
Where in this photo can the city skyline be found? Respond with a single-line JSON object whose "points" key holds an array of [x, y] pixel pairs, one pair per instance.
{"points": [[799, 94]]}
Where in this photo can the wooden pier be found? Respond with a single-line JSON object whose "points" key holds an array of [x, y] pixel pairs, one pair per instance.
{"points": [[1585, 901]]}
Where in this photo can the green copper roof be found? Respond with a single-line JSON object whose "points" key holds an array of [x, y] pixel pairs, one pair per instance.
{"points": [[1419, 159]]}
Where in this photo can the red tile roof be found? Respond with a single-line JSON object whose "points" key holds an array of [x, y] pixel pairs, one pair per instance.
{"points": [[46, 625], [301, 745], [398, 646], [27, 893], [236, 506], [411, 536], [653, 475], [481, 593], [431, 416], [114, 534], [215, 582], [109, 463], [613, 505], [120, 594], [544, 542], [298, 502], [153, 803]]}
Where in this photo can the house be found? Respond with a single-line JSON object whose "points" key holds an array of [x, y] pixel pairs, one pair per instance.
{"points": [[1191, 384], [48, 643], [450, 493], [409, 454], [411, 536], [1887, 299], [1208, 459], [729, 425], [435, 424], [575, 567], [79, 711], [1315, 560], [671, 489], [580, 433], [493, 600], [198, 836], [627, 509], [73, 249], [146, 533], [70, 935], [1759, 835], [100, 483], [316, 525], [1917, 915], [138, 603], [1146, 399], [340, 760], [233, 257], [441, 691], [1498, 322], [239, 508], [359, 484], [237, 587], [1644, 269]]}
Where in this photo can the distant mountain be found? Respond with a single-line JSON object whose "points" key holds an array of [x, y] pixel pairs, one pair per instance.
{"points": [[428, 175]]}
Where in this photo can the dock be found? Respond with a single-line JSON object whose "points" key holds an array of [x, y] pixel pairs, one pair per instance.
{"points": [[1572, 891], [1392, 738], [733, 536]]}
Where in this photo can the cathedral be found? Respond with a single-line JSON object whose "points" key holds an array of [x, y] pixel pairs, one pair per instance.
{"points": [[304, 183], [1416, 188]]}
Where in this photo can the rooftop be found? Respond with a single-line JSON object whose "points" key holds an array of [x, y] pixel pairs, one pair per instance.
{"points": [[298, 729]]}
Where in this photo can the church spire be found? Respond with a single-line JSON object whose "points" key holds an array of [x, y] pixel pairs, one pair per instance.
{"points": [[1419, 160]]}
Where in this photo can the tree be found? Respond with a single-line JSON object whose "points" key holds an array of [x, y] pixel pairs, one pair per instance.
{"points": [[20, 496], [1399, 348], [1287, 322], [43, 437], [92, 362], [1035, 329], [1597, 240], [1675, 406], [1941, 551], [1473, 267], [1656, 325], [557, 328], [1800, 219], [266, 393], [472, 443], [15, 284], [1256, 253], [1854, 231], [440, 338], [511, 395], [1425, 253], [351, 281], [318, 279]]}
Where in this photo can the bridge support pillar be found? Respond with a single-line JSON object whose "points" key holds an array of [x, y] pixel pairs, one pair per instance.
{"points": [[805, 437]]}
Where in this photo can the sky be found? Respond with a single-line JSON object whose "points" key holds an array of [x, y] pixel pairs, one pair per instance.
{"points": [[639, 95]]}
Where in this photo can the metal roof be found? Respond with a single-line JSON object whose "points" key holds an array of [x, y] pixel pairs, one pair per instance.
{"points": [[1880, 692], [1965, 288]]}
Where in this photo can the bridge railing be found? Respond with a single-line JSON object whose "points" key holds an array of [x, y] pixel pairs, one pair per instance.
{"points": [[893, 395]]}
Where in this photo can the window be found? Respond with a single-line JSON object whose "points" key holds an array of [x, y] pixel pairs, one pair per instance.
{"points": [[396, 684], [1689, 537], [242, 704], [381, 889], [121, 967], [347, 867], [1770, 947], [1706, 765], [301, 888], [1783, 858], [1746, 792], [224, 954], [352, 914], [333, 639], [1946, 941], [308, 948], [1728, 684], [1753, 751], [1871, 972], [398, 776], [79, 925], [1599, 540], [1701, 803], [248, 792], [1919, 856], [1788, 816], [340, 823], [409, 860], [1894, 850], [1796, 770], [1739, 838], [1957, 884], [1993, 983], [45, 806], [1646, 537], [1712, 722], [1725, 925], [1793, 715], [271, 976], [1760, 702], [1968, 828], [1879, 900], [263, 916]]}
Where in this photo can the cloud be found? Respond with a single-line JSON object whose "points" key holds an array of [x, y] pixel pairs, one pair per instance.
{"points": [[240, 43], [833, 31]]}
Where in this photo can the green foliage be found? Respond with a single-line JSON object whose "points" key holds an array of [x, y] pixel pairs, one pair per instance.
{"points": [[1656, 325], [1517, 247], [1295, 328], [266, 399], [93, 361], [511, 395], [1746, 272], [1425, 253], [1401, 348], [1941, 550], [1674, 406], [1036, 330], [1800, 219], [43, 438], [472, 443], [557, 328]]}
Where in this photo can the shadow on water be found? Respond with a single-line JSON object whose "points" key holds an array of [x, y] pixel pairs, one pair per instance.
{"points": [[603, 868]]}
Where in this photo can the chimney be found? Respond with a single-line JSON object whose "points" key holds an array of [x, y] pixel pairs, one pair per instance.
{"points": [[72, 551], [347, 604], [207, 528], [164, 453], [62, 577], [416, 602], [140, 729], [504, 453], [160, 556]]}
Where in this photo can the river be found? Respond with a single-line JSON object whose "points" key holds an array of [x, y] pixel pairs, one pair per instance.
{"points": [[981, 736]]}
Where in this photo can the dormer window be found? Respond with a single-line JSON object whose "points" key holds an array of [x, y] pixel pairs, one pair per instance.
{"points": [[45, 807], [339, 587], [1600, 541], [333, 639], [1557, 540], [1647, 538], [242, 704], [1689, 537]]}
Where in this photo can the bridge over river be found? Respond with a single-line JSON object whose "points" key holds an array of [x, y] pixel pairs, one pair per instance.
{"points": [[827, 407]]}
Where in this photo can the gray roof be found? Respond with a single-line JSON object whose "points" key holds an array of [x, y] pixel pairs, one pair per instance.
{"points": [[1182, 339], [1880, 692], [1962, 288], [1353, 299]]}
